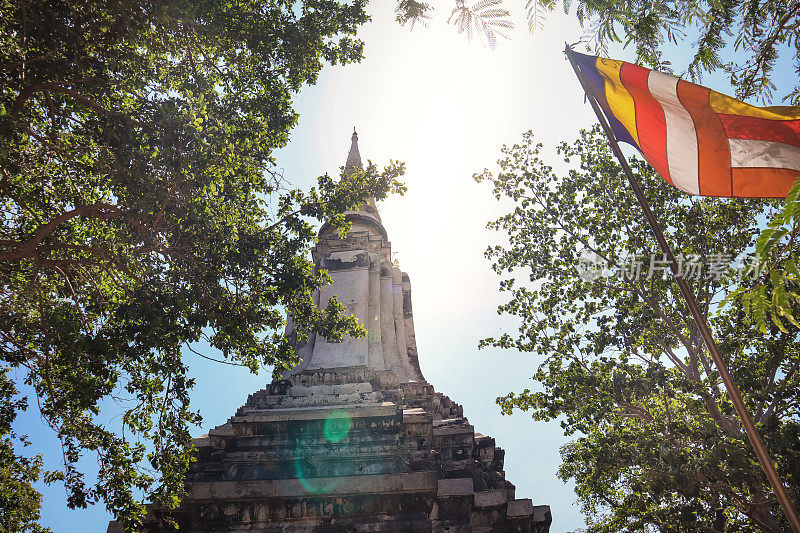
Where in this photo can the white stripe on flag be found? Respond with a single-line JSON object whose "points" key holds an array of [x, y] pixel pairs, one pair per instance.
{"points": [[681, 134], [750, 153]]}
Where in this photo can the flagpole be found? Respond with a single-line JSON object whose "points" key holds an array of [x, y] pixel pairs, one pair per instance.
{"points": [[752, 433]]}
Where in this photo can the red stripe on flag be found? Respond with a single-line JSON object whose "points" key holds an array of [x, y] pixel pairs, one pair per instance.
{"points": [[650, 124], [713, 153], [763, 182], [762, 129]]}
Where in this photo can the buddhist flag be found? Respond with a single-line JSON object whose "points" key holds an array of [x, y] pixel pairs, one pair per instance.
{"points": [[699, 140]]}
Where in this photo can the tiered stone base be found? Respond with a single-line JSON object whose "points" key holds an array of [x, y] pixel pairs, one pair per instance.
{"points": [[340, 451]]}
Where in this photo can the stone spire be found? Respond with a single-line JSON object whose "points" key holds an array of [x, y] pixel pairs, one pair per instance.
{"points": [[375, 290], [353, 438], [354, 157], [370, 208]]}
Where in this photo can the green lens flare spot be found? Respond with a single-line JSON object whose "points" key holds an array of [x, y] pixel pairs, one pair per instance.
{"points": [[337, 425]]}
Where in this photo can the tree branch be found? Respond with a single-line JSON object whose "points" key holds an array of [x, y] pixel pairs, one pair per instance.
{"points": [[101, 211]]}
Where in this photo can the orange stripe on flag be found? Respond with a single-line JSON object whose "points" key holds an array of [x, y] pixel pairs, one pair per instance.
{"points": [[763, 182], [714, 158], [650, 123]]}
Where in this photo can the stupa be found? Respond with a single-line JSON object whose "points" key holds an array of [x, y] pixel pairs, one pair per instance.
{"points": [[354, 438]]}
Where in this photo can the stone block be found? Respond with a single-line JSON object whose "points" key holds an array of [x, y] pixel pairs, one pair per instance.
{"points": [[521, 507], [455, 487], [411, 482], [453, 430], [490, 498], [290, 402], [416, 415], [344, 388], [315, 413], [203, 440], [541, 512], [225, 430]]}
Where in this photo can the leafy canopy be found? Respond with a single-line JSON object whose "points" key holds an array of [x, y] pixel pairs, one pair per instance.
{"points": [[657, 445], [141, 212], [761, 33], [774, 296]]}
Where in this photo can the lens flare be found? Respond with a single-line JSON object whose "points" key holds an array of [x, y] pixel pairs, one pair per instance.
{"points": [[337, 425], [323, 457]]}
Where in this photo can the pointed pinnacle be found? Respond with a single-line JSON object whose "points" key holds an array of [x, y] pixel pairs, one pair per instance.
{"points": [[354, 157]]}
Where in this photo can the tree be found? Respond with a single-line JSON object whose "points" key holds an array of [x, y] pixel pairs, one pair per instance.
{"points": [[774, 295], [657, 444], [761, 33], [142, 212], [484, 19], [19, 502]]}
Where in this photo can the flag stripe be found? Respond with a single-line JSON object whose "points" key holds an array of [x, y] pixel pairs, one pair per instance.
{"points": [[726, 105], [763, 182], [650, 124], [739, 127], [681, 135], [713, 154], [619, 99], [764, 154], [598, 87], [701, 141]]}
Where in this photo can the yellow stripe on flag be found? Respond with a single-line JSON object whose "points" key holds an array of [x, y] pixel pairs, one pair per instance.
{"points": [[619, 99], [727, 105]]}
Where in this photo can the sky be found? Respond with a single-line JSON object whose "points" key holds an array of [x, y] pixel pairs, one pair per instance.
{"points": [[444, 106]]}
